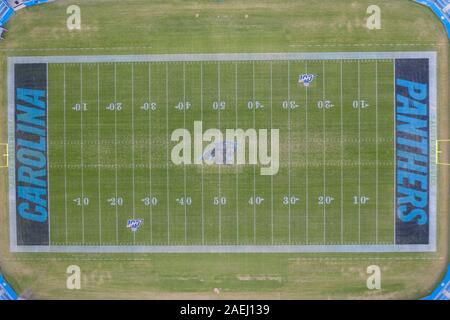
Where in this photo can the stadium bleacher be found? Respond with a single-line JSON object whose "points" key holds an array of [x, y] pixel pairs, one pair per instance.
{"points": [[442, 292], [441, 8], [19, 4], [5, 12], [6, 292], [7, 8]]}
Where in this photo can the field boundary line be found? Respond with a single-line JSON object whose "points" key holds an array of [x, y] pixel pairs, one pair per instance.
{"points": [[316, 248], [225, 57], [291, 45], [288, 259]]}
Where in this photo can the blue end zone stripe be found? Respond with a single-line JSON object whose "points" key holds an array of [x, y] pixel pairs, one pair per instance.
{"points": [[31, 167], [412, 94]]}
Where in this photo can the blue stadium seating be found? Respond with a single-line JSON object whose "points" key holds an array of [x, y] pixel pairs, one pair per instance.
{"points": [[7, 8], [441, 8], [6, 292], [442, 292], [5, 12]]}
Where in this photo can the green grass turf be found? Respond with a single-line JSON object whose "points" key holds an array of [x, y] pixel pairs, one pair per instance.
{"points": [[141, 26], [320, 150]]}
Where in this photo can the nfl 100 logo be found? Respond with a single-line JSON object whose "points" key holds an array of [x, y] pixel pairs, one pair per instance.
{"points": [[134, 224], [306, 79]]}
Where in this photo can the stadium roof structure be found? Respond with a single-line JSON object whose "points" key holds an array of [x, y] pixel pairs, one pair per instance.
{"points": [[441, 8]]}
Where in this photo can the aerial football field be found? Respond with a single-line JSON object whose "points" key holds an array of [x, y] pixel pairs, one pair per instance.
{"points": [[343, 175], [110, 153]]}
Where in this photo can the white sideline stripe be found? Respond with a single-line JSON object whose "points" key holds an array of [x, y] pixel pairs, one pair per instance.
{"points": [[226, 249], [446, 8], [224, 57], [392, 55]]}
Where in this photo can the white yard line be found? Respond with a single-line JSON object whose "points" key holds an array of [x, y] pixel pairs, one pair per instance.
{"points": [[81, 151], [225, 57], [98, 155], [271, 126], [289, 147], [359, 152], [65, 154], [324, 154], [221, 155], [201, 119], [133, 148], [115, 150], [167, 153], [342, 158], [237, 170], [254, 167], [184, 165], [150, 151], [307, 162], [376, 151]]}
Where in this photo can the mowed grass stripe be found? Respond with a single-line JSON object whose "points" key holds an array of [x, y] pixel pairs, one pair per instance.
{"points": [[227, 214]]}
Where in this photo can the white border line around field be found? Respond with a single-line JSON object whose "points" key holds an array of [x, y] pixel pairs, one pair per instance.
{"points": [[225, 57], [431, 247]]}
